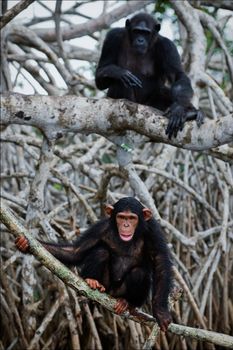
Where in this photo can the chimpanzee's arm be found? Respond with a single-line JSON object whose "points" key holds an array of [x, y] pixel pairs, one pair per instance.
{"points": [[70, 253], [182, 91], [65, 252], [181, 109], [161, 275], [108, 70]]}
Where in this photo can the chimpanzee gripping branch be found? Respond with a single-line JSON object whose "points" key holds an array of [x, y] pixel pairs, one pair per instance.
{"points": [[60, 270], [55, 116], [75, 282]]}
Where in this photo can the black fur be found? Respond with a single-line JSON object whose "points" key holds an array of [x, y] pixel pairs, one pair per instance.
{"points": [[126, 269], [139, 64]]}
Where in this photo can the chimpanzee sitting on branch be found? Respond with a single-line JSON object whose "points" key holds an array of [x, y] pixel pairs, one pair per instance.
{"points": [[139, 64], [125, 255]]}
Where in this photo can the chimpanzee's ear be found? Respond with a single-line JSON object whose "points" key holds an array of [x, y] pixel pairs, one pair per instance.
{"points": [[127, 23], [108, 210], [157, 27], [147, 214]]}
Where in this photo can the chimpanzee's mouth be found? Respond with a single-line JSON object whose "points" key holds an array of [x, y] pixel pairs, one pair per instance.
{"points": [[126, 236]]}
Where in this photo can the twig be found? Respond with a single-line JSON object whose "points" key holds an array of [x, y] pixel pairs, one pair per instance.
{"points": [[14, 11], [152, 338], [44, 324]]}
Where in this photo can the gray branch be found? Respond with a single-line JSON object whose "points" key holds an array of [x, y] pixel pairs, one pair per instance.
{"points": [[107, 117], [14, 11], [94, 25]]}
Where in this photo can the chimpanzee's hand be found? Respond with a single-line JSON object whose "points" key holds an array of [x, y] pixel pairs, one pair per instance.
{"points": [[22, 244], [94, 284], [121, 306], [129, 79], [178, 115], [177, 118], [195, 114], [163, 317]]}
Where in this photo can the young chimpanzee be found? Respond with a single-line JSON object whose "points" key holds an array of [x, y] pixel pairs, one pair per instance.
{"points": [[125, 255], [139, 64]]}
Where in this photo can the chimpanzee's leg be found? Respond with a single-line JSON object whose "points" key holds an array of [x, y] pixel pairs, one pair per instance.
{"points": [[134, 287], [138, 284]]}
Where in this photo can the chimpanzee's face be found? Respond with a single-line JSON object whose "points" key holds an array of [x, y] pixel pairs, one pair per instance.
{"points": [[142, 31], [128, 216], [141, 39], [127, 223]]}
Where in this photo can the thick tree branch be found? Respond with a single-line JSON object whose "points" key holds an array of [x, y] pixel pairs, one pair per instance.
{"points": [[107, 117], [196, 41]]}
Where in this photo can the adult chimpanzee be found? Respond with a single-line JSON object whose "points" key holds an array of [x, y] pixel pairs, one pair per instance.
{"points": [[138, 64], [125, 255]]}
